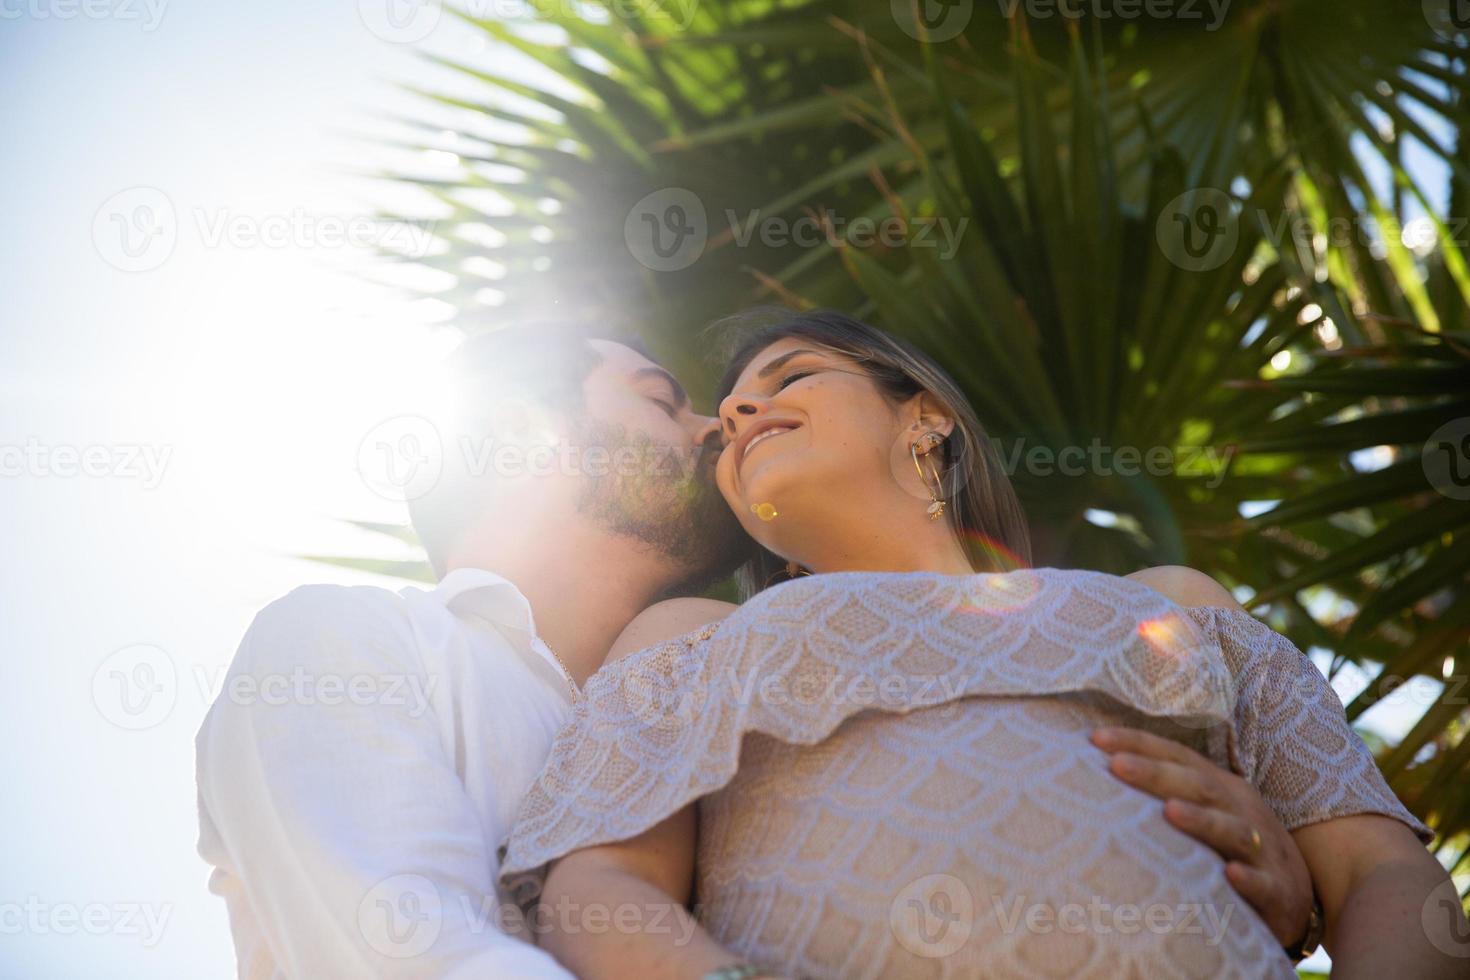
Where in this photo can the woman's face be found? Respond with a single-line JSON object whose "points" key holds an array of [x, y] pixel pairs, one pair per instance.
{"points": [[806, 430]]}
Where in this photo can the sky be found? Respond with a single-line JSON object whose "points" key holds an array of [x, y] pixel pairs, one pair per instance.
{"points": [[191, 359], [189, 427]]}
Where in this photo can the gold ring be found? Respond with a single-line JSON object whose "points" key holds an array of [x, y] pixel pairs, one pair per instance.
{"points": [[1256, 840]]}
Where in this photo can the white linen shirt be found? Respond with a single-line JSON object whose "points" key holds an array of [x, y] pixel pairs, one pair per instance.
{"points": [[358, 771]]}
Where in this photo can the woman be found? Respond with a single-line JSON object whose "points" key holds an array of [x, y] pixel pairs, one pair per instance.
{"points": [[879, 765]]}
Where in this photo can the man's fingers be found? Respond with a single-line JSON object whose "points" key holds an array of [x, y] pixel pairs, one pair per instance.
{"points": [[1111, 739], [1252, 884], [1162, 779], [1229, 835]]}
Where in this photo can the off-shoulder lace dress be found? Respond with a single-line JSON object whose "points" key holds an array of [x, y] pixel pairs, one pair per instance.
{"points": [[894, 777]]}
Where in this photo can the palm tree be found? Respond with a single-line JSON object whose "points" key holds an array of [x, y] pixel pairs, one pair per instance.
{"points": [[1166, 249]]}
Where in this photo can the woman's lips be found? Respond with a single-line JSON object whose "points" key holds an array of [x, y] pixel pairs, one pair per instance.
{"points": [[762, 436]]}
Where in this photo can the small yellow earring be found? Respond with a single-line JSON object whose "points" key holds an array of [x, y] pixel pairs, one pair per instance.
{"points": [[765, 511]]}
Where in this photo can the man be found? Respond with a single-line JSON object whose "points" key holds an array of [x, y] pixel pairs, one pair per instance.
{"points": [[352, 816], [354, 822]]}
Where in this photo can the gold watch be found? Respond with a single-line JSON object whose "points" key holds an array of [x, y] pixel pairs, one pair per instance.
{"points": [[1312, 938]]}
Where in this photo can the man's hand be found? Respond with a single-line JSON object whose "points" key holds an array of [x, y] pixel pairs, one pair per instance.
{"points": [[1224, 811]]}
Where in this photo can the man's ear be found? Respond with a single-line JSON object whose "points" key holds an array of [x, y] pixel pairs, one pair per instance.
{"points": [[520, 422]]}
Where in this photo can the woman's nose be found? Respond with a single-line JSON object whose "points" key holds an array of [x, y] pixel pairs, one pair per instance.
{"points": [[738, 405]]}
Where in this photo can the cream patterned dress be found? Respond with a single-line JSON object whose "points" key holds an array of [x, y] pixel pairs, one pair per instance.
{"points": [[894, 777]]}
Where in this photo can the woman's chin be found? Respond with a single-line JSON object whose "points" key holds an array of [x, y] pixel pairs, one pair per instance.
{"points": [[769, 482]]}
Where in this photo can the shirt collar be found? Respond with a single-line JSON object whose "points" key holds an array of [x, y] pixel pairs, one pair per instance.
{"points": [[482, 593], [494, 598]]}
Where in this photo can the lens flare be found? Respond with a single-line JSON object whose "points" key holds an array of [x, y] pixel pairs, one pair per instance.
{"points": [[989, 554], [765, 511], [1007, 586], [1167, 635]]}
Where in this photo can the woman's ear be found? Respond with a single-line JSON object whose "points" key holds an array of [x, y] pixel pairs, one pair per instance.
{"points": [[928, 414]]}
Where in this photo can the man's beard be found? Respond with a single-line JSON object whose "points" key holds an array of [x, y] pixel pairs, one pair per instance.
{"points": [[665, 498]]}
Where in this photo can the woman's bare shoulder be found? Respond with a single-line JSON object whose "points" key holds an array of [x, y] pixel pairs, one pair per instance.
{"points": [[1186, 586], [665, 620]]}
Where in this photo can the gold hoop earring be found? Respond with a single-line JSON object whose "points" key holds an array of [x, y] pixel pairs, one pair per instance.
{"points": [[931, 441], [792, 569]]}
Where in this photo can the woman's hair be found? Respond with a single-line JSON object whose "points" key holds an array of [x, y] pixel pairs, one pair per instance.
{"points": [[983, 509]]}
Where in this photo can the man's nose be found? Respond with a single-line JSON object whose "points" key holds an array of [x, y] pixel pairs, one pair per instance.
{"points": [[707, 431]]}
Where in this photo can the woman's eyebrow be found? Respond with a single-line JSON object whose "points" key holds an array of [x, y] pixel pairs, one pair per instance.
{"points": [[780, 362]]}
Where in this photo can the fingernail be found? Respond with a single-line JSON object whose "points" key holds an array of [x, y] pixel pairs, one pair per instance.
{"points": [[1100, 735]]}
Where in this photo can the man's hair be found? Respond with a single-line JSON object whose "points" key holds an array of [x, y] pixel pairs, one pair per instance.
{"points": [[544, 364]]}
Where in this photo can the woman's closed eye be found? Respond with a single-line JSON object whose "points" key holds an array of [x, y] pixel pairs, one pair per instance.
{"points": [[792, 378]]}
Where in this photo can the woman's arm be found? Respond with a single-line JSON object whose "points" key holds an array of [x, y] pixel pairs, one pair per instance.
{"points": [[1380, 889], [617, 910], [1376, 883]]}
